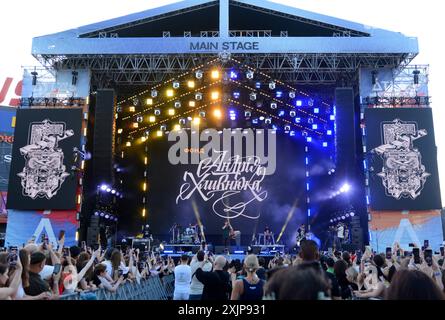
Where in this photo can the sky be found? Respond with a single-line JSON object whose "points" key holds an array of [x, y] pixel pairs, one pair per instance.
{"points": [[22, 20]]}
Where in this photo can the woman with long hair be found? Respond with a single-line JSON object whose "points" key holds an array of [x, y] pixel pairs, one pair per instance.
{"points": [[251, 286]]}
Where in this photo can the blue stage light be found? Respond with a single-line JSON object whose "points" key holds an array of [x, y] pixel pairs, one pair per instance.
{"points": [[261, 118], [255, 121], [281, 113], [308, 212], [258, 85], [297, 120], [315, 126], [238, 252], [236, 95], [279, 94], [292, 133], [309, 139], [332, 117], [232, 115], [307, 160], [103, 187], [325, 144], [316, 110], [329, 132], [233, 75], [299, 103]]}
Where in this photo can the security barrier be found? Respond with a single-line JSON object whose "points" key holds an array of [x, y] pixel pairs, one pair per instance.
{"points": [[153, 288]]}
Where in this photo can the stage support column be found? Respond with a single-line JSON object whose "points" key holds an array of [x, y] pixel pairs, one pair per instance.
{"points": [[224, 18]]}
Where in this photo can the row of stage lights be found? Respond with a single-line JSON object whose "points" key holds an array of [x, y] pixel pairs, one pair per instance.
{"points": [[342, 217], [108, 189], [105, 215]]}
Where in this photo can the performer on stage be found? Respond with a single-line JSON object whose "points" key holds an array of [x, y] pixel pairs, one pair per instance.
{"points": [[339, 236], [146, 232], [227, 233], [301, 234], [267, 236]]}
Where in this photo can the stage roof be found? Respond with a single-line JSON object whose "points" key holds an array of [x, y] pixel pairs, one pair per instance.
{"points": [[176, 28]]}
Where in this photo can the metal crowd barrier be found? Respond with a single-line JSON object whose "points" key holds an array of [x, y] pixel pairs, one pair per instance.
{"points": [[153, 288]]}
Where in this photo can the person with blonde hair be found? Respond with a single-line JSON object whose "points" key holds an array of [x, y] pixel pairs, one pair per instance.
{"points": [[250, 287]]}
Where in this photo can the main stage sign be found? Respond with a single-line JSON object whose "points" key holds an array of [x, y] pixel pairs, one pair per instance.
{"points": [[224, 45]]}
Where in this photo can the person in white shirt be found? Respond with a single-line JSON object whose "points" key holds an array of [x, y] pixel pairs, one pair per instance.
{"points": [[183, 277], [197, 286]]}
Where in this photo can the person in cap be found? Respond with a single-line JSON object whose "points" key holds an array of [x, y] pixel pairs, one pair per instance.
{"points": [[250, 287], [37, 285]]}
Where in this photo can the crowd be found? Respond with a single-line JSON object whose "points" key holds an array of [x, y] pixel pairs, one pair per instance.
{"points": [[312, 275], [41, 272]]}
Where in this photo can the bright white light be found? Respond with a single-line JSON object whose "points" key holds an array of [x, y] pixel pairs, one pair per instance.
{"points": [[345, 188], [103, 187]]}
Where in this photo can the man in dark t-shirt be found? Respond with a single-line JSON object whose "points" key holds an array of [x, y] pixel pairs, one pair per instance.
{"points": [[217, 285], [36, 284]]}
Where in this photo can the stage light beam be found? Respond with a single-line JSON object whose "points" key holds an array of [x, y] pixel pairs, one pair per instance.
{"points": [[215, 74], [289, 217], [217, 113]]}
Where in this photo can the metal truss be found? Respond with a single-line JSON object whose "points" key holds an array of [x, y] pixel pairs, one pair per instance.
{"points": [[394, 102], [308, 69], [53, 102], [335, 29]]}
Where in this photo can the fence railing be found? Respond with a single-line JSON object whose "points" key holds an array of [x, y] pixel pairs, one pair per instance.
{"points": [[153, 288]]}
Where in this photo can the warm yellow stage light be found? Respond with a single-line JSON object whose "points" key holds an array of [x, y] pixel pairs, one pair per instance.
{"points": [[149, 101], [128, 144], [146, 160], [196, 121], [159, 133], [119, 131], [215, 74], [135, 125], [144, 186], [144, 212], [191, 84], [143, 139], [132, 109], [171, 112], [170, 93], [152, 119], [217, 113], [176, 127], [192, 103], [215, 95]]}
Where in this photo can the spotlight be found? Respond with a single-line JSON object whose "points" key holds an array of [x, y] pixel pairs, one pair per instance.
{"points": [[352, 213], [198, 74], [292, 94], [292, 113], [196, 121], [249, 75], [215, 95], [149, 101], [128, 144], [416, 74], [154, 93], [331, 221], [34, 78], [345, 188], [177, 104], [311, 102], [236, 95], [281, 113], [202, 114], [252, 96], [74, 77], [217, 113], [286, 128], [215, 74], [175, 85], [232, 115], [113, 191], [233, 75], [171, 112], [247, 114], [343, 217], [102, 214], [139, 119], [272, 85], [198, 96], [108, 190], [96, 214], [159, 133], [182, 121], [258, 85], [374, 77], [192, 104], [163, 127], [176, 127], [279, 94], [347, 215], [135, 125], [191, 84], [268, 121], [107, 216], [170, 93], [132, 109], [297, 120], [152, 119], [299, 103], [273, 105]]}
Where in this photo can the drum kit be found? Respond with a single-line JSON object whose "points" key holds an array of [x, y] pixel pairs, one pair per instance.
{"points": [[187, 235]]}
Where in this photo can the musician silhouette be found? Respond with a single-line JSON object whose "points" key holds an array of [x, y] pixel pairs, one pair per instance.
{"points": [[267, 236], [227, 233]]}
